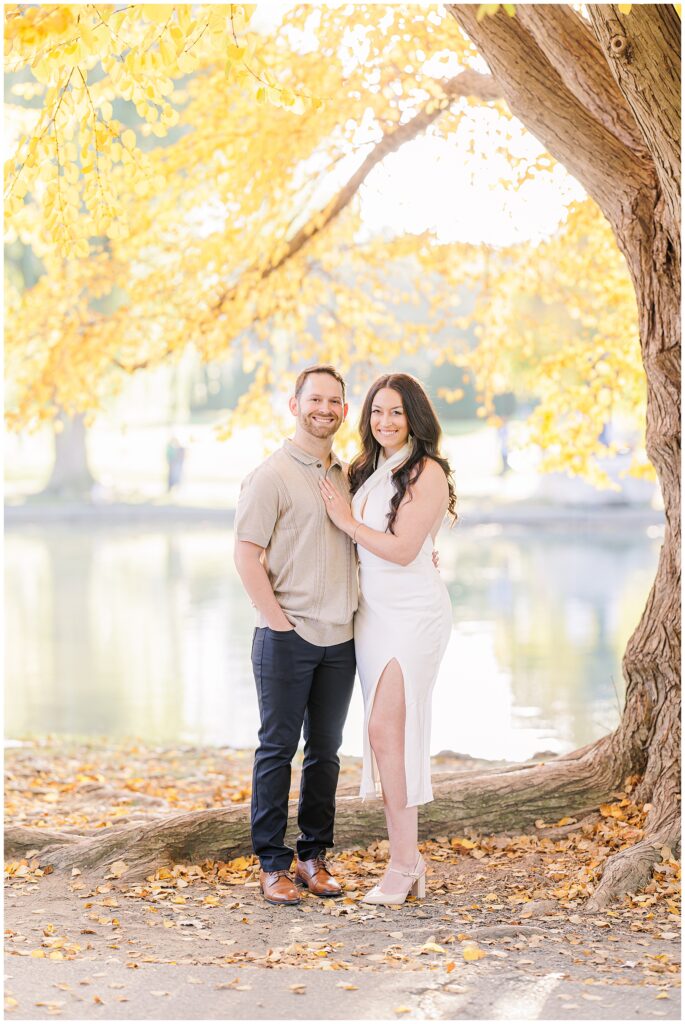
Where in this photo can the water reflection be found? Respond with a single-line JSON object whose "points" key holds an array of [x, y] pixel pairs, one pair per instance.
{"points": [[134, 631]]}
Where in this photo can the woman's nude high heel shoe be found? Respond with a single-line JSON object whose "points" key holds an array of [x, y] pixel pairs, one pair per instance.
{"points": [[416, 885]]}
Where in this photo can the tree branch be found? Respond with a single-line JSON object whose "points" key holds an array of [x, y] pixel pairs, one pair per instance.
{"points": [[643, 53], [573, 50], [466, 83], [536, 92]]}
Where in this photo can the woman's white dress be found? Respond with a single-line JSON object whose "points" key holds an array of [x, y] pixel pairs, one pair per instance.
{"points": [[404, 613]]}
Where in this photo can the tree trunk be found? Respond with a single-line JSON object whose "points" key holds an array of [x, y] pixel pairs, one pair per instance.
{"points": [[604, 98], [650, 725], [71, 476]]}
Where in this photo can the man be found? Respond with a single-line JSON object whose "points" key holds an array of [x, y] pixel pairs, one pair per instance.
{"points": [[175, 455], [300, 572]]}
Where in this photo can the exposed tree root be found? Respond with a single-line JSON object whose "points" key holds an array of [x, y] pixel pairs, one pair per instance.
{"points": [[512, 799], [631, 869], [509, 800], [19, 840]]}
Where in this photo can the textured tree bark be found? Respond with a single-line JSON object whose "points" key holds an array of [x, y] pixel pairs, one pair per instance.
{"points": [[643, 54], [604, 98]]}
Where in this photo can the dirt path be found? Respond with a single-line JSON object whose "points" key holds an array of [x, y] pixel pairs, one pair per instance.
{"points": [[196, 960]]}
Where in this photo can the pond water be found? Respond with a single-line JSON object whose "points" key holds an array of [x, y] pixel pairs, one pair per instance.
{"points": [[144, 631]]}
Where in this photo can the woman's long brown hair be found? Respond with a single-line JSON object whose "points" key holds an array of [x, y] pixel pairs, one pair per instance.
{"points": [[424, 427]]}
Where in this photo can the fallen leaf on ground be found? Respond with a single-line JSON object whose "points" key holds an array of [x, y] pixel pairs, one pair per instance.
{"points": [[474, 953], [432, 947]]}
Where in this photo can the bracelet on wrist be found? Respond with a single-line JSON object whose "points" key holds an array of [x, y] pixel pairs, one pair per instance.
{"points": [[354, 533]]}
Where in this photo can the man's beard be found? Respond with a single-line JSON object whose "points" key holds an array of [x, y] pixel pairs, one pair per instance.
{"points": [[319, 429]]}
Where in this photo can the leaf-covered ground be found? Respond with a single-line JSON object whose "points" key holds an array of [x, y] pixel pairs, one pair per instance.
{"points": [[494, 904]]}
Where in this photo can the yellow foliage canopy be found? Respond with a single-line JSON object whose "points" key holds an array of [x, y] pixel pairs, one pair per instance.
{"points": [[177, 171]]}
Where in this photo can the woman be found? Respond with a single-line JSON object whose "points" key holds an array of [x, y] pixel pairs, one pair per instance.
{"points": [[401, 489]]}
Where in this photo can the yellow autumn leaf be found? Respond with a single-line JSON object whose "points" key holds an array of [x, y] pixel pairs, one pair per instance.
{"points": [[240, 863], [159, 13], [167, 51], [432, 947], [473, 953], [612, 811], [169, 116]]}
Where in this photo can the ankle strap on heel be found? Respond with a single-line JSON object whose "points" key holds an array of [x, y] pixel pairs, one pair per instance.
{"points": [[409, 874]]}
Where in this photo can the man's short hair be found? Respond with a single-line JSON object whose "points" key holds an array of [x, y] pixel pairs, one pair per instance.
{"points": [[324, 368]]}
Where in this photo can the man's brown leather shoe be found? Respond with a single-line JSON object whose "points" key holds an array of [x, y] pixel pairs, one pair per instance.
{"points": [[278, 887], [316, 876]]}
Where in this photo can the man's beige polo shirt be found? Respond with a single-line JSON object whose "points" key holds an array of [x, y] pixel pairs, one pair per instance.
{"points": [[311, 564]]}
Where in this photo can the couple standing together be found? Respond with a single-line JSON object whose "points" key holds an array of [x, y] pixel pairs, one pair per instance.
{"points": [[338, 562]]}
